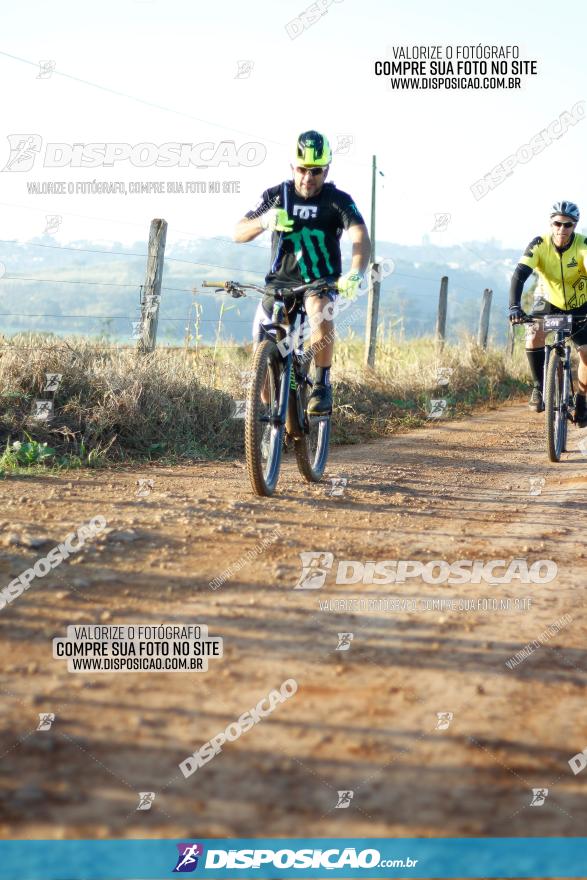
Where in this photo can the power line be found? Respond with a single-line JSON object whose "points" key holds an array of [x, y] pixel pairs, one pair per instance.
{"points": [[124, 254], [119, 318], [177, 232], [153, 104], [62, 247], [146, 103], [64, 281], [83, 317]]}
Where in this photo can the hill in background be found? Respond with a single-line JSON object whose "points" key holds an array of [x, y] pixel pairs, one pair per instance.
{"points": [[92, 288]]}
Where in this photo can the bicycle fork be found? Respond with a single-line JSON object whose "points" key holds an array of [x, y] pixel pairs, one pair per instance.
{"points": [[567, 390]]}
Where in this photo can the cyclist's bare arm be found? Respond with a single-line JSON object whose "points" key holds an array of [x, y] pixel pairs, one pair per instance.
{"points": [[248, 229], [361, 247]]}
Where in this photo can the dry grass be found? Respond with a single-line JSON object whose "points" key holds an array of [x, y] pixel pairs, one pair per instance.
{"points": [[113, 404], [397, 394]]}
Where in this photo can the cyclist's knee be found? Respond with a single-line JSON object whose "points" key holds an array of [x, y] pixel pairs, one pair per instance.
{"points": [[535, 336], [322, 327]]}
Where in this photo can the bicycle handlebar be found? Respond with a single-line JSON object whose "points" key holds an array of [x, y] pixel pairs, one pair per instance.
{"points": [[237, 289], [529, 319]]}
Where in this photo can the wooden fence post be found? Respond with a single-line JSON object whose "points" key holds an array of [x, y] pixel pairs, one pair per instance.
{"points": [[440, 334], [372, 314], [152, 289], [509, 346], [484, 318]]}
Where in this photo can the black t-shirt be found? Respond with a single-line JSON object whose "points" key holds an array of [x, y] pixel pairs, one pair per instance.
{"points": [[312, 249]]}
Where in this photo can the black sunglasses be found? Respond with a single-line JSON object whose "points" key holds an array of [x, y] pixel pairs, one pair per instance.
{"points": [[567, 224], [315, 172]]}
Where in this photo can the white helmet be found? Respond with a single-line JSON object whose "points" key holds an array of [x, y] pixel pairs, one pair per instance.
{"points": [[567, 209]]}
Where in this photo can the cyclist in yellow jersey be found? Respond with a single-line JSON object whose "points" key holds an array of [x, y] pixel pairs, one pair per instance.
{"points": [[560, 260]]}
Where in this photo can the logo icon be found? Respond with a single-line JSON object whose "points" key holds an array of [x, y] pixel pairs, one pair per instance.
{"points": [[23, 151], [46, 68], [43, 410], [244, 69], [444, 719], [144, 487], [53, 381], [187, 861], [46, 719], [344, 799], [344, 641], [53, 223], [315, 567], [338, 485], [344, 143], [539, 795], [246, 377], [437, 408], [443, 375], [536, 485], [239, 410], [441, 221], [146, 799], [572, 264], [305, 211]]}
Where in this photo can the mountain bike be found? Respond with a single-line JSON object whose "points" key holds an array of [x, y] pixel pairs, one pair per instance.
{"points": [[558, 392], [276, 417]]}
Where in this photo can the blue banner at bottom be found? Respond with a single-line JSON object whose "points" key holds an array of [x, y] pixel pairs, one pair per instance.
{"points": [[282, 858]]}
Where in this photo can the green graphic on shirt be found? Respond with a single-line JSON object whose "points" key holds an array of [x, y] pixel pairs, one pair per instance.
{"points": [[304, 248]]}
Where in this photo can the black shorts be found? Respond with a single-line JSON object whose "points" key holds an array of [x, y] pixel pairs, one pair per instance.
{"points": [[269, 298], [579, 336]]}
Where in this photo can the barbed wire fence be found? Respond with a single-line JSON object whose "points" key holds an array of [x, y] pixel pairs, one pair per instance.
{"points": [[141, 326], [398, 322]]}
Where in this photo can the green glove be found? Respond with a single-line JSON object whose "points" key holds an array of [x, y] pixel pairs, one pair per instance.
{"points": [[348, 285], [276, 220]]}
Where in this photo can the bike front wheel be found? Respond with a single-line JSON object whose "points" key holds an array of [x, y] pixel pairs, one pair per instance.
{"points": [[263, 433], [555, 409]]}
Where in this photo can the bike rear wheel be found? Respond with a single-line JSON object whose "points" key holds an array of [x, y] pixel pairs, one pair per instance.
{"points": [[555, 409], [312, 446], [263, 437]]}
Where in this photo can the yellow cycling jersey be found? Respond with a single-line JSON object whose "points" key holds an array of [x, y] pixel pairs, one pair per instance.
{"points": [[563, 275]]}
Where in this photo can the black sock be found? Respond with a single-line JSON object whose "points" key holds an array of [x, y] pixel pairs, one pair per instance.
{"points": [[323, 375], [536, 361]]}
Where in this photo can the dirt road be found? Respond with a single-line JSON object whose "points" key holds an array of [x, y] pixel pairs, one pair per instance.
{"points": [[364, 719]]}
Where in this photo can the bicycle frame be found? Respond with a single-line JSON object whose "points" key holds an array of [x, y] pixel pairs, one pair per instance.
{"points": [[285, 330], [287, 334]]}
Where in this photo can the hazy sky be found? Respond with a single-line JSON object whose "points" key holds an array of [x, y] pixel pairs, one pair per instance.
{"points": [[431, 145]]}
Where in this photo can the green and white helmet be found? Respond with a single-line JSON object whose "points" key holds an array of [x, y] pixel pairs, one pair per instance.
{"points": [[312, 148]]}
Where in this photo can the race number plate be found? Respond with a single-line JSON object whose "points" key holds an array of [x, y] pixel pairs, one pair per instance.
{"points": [[558, 322]]}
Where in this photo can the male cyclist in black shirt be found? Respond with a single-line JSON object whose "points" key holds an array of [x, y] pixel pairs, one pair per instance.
{"points": [[306, 217]]}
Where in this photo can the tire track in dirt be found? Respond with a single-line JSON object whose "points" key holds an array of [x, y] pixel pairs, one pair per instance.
{"points": [[364, 719]]}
